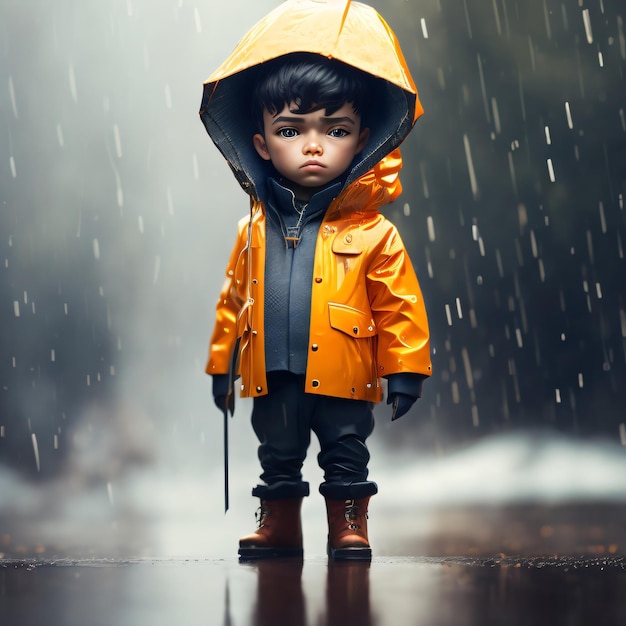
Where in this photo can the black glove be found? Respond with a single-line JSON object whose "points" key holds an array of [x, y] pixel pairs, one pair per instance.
{"points": [[220, 390], [401, 404]]}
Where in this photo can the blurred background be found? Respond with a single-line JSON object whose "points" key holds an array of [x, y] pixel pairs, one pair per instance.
{"points": [[117, 215]]}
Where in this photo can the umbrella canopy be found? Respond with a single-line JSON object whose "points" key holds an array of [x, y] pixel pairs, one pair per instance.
{"points": [[350, 32]]}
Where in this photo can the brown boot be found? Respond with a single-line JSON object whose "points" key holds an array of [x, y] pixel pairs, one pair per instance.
{"points": [[279, 532], [347, 530]]}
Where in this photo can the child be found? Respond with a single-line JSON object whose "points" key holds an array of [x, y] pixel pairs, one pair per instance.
{"points": [[320, 299]]}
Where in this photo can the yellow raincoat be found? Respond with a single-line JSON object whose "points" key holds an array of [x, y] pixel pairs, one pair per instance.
{"points": [[368, 318]]}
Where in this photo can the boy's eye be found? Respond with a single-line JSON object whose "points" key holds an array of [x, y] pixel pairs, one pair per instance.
{"points": [[338, 132], [287, 133]]}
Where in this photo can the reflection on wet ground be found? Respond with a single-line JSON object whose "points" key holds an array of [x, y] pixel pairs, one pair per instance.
{"points": [[412, 591], [517, 565]]}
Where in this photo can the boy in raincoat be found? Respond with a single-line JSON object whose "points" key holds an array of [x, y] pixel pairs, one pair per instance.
{"points": [[320, 300]]}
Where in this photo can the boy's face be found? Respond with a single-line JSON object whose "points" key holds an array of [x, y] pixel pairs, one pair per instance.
{"points": [[311, 149]]}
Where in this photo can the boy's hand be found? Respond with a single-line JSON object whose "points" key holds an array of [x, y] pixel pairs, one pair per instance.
{"points": [[401, 403], [220, 390]]}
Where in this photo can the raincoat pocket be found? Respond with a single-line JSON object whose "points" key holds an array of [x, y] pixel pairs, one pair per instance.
{"points": [[351, 321]]}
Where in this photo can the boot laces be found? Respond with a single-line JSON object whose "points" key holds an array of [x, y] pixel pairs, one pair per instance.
{"points": [[351, 513], [261, 515]]}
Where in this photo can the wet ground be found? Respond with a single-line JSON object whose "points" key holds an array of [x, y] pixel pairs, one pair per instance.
{"points": [[398, 591], [514, 566]]}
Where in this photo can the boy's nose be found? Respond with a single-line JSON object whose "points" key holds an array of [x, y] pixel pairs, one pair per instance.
{"points": [[312, 146]]}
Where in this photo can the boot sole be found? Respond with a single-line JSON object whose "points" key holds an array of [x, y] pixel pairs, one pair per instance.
{"points": [[253, 553], [350, 554]]}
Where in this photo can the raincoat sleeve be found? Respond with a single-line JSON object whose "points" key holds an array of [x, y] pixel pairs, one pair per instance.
{"points": [[398, 309], [228, 306]]}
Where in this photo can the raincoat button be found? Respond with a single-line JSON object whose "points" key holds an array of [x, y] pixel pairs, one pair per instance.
{"points": [[314, 347], [259, 389], [315, 383], [348, 238], [318, 279], [355, 330]]}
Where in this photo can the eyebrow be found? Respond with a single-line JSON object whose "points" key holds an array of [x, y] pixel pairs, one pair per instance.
{"points": [[330, 120]]}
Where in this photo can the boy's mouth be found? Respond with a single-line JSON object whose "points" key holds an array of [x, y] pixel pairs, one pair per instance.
{"points": [[312, 165]]}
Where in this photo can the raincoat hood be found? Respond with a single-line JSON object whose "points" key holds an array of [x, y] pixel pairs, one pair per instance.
{"points": [[350, 32]]}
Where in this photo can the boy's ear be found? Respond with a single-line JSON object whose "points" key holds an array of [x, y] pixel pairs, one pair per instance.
{"points": [[364, 135], [261, 146]]}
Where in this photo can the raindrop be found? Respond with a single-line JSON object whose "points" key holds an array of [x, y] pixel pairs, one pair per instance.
{"points": [[53, 355], [542, 271], [110, 493], [548, 137], [459, 311], [622, 38], [602, 218], [168, 96], [429, 265], [118, 142], [469, 377], [96, 249], [568, 113], [551, 171], [140, 224], [496, 115], [587, 23], [455, 392], [546, 16], [2, 433], [406, 209], [196, 15], [60, 136], [499, 264], [431, 228], [72, 78], [483, 88], [425, 190], [12, 96], [16, 308], [512, 172], [580, 380], [622, 434], [12, 166], [475, 421], [532, 52], [33, 437], [558, 396], [497, 17], [470, 166], [599, 291], [518, 337], [448, 315], [467, 20], [56, 442]]}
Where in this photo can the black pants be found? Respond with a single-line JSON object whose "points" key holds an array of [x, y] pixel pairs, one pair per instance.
{"points": [[283, 420]]}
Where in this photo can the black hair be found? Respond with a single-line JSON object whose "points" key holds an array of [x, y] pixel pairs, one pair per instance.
{"points": [[311, 82]]}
